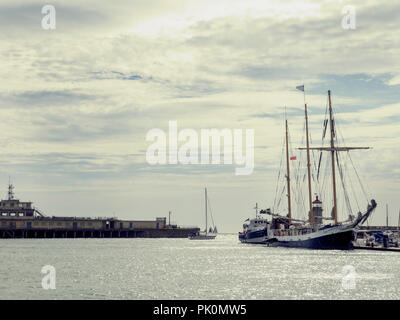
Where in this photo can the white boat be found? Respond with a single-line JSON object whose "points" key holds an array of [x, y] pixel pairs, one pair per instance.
{"points": [[254, 230], [206, 234]]}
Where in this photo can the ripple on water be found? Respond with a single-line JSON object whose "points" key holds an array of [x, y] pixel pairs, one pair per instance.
{"points": [[182, 269]]}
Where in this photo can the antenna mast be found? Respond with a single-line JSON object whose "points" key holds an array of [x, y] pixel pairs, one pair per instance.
{"points": [[10, 190]]}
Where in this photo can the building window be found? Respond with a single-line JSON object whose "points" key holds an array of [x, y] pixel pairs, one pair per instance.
{"points": [[131, 225]]}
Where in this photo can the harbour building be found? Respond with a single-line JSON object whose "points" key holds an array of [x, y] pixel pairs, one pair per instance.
{"points": [[22, 220]]}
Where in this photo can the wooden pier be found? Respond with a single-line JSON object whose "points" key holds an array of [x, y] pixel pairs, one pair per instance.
{"points": [[392, 249], [20, 219], [91, 233]]}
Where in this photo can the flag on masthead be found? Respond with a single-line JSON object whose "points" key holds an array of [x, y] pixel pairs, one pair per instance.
{"points": [[301, 88]]}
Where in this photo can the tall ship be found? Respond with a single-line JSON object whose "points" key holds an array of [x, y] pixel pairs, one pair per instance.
{"points": [[286, 231]]}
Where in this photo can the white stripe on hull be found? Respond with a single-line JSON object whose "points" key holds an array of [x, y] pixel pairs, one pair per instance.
{"points": [[255, 240], [313, 235]]}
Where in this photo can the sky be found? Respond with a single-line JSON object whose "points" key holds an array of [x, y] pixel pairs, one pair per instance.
{"points": [[77, 102]]}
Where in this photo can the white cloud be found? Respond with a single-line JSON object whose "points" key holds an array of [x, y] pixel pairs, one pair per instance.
{"points": [[394, 81], [93, 87]]}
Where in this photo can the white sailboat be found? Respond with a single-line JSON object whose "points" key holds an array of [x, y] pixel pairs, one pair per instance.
{"points": [[206, 234]]}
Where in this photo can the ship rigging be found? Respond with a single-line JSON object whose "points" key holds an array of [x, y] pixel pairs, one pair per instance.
{"points": [[284, 230]]}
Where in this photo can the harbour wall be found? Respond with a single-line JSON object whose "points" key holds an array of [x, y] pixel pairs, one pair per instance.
{"points": [[73, 227], [90, 233]]}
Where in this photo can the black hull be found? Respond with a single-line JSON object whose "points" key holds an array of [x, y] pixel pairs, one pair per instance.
{"points": [[336, 241], [249, 237]]}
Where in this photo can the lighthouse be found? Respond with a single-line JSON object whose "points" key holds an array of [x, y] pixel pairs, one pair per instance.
{"points": [[317, 211]]}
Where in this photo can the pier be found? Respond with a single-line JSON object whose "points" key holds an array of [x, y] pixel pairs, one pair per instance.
{"points": [[37, 227], [48, 233], [21, 220], [387, 238], [393, 249]]}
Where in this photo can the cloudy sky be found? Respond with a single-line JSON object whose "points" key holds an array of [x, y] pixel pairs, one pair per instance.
{"points": [[76, 102]]}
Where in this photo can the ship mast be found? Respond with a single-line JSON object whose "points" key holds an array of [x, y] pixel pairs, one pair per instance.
{"points": [[309, 170], [398, 223], [205, 195], [387, 215], [288, 173], [332, 149], [332, 129]]}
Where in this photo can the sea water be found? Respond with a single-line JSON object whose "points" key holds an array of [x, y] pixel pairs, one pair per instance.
{"points": [[185, 269]]}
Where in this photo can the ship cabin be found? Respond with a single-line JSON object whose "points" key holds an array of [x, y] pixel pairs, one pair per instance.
{"points": [[257, 223]]}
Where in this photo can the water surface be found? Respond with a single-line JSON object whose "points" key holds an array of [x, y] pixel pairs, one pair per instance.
{"points": [[183, 269]]}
